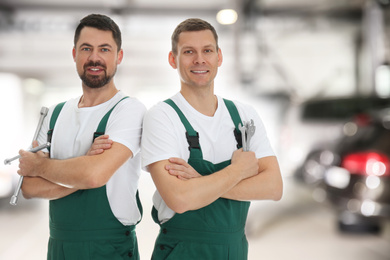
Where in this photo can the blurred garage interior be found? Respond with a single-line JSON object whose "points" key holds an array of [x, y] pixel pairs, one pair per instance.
{"points": [[308, 67]]}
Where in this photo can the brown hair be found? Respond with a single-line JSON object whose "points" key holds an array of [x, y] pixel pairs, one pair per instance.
{"points": [[191, 25], [101, 22]]}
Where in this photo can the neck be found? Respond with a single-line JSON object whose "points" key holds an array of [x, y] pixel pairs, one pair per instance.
{"points": [[94, 97], [204, 102]]}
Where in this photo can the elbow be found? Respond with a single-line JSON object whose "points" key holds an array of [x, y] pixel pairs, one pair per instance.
{"points": [[26, 192], [89, 174], [278, 192], [178, 204], [93, 179], [93, 182], [277, 196], [26, 195], [178, 207], [179, 210]]}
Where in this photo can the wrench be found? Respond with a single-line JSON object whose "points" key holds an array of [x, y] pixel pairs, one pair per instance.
{"points": [[250, 130], [33, 150], [243, 136], [14, 198]]}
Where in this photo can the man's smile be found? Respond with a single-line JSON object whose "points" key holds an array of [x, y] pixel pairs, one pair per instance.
{"points": [[199, 71], [95, 70]]}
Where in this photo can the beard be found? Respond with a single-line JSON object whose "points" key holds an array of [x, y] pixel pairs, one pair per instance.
{"points": [[93, 81]]}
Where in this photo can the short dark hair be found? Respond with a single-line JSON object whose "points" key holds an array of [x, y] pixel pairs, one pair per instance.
{"points": [[101, 22], [191, 25]]}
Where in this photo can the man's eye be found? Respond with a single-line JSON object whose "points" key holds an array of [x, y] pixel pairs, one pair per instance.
{"points": [[187, 52], [208, 51], [86, 49], [105, 50]]}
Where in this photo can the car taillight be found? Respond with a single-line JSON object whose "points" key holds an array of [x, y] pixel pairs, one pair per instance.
{"points": [[367, 163], [362, 119]]}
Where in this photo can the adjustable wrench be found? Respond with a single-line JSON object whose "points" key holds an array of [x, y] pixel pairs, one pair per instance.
{"points": [[250, 131], [247, 131]]}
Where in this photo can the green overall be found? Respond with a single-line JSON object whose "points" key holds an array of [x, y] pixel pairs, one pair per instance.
{"points": [[82, 225], [214, 232]]}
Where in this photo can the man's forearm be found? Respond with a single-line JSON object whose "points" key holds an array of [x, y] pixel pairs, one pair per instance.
{"points": [[182, 196], [263, 186], [36, 187], [84, 172], [183, 189], [74, 173], [267, 185]]}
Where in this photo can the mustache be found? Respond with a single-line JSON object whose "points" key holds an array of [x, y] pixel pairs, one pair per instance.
{"points": [[94, 64]]}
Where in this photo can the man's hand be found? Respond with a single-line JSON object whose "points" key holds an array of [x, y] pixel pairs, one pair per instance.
{"points": [[245, 163], [29, 161], [100, 144], [181, 169]]}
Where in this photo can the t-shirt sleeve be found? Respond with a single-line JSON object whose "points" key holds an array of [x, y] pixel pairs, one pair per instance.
{"points": [[160, 138], [124, 125], [259, 143]]}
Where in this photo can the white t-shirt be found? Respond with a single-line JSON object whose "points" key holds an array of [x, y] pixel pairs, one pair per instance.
{"points": [[73, 135], [164, 137]]}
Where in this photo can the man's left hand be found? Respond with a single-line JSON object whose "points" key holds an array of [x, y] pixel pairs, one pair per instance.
{"points": [[181, 169]]}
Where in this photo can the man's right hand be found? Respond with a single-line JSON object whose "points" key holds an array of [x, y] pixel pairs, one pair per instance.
{"points": [[245, 163]]}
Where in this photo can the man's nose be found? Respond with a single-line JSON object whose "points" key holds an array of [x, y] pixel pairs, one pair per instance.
{"points": [[199, 59], [94, 56]]}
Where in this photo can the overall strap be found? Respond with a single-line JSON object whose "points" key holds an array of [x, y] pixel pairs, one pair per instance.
{"points": [[191, 135], [53, 121], [236, 120], [101, 129], [139, 205]]}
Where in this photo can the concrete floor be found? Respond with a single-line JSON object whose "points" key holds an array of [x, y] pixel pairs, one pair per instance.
{"points": [[295, 228]]}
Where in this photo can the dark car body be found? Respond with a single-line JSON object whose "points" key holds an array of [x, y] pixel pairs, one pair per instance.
{"points": [[354, 173], [314, 124]]}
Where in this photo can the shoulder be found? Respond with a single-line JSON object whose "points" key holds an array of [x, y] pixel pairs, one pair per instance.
{"points": [[245, 110], [63, 106], [160, 109], [248, 112], [67, 103], [161, 116], [128, 112], [128, 108], [242, 106], [129, 102]]}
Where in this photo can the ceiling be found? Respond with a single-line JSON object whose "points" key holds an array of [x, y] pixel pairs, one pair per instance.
{"points": [[36, 38], [344, 7]]}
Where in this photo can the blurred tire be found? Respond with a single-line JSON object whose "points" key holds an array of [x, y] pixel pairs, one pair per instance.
{"points": [[353, 223]]}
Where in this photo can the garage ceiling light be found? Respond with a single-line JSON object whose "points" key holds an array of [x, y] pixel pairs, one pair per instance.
{"points": [[227, 16]]}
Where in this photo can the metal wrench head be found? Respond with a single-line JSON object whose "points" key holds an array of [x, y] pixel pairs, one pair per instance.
{"points": [[243, 130], [242, 127], [44, 111], [251, 128], [250, 131]]}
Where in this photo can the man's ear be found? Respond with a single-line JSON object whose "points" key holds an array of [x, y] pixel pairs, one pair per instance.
{"points": [[120, 57], [74, 54], [220, 58], [172, 60]]}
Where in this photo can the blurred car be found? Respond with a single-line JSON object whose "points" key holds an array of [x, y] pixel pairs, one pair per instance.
{"points": [[354, 174], [317, 123]]}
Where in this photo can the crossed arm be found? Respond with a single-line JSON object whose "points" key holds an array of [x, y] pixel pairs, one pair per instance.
{"points": [[53, 179], [247, 178]]}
